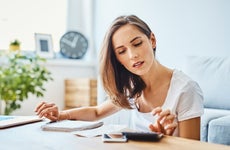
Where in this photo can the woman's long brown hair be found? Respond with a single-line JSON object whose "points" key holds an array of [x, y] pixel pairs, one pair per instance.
{"points": [[119, 83]]}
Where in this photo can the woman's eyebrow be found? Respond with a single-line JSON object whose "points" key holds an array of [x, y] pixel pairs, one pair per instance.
{"points": [[130, 42], [118, 47], [135, 39]]}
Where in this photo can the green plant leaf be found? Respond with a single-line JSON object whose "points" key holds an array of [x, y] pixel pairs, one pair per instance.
{"points": [[20, 76]]}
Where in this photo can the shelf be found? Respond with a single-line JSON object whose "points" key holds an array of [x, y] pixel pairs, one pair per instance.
{"points": [[59, 60], [70, 62]]}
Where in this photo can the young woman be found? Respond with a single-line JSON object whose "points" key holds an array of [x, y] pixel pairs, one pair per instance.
{"points": [[164, 100]]}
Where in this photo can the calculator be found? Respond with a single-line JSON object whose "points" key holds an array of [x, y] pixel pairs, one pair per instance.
{"points": [[143, 136]]}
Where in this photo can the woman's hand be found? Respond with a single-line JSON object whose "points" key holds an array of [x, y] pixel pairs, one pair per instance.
{"points": [[48, 110], [165, 122]]}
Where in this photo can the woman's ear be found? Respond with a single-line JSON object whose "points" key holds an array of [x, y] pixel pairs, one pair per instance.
{"points": [[153, 40]]}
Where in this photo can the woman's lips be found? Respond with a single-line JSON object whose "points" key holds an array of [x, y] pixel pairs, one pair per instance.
{"points": [[138, 64]]}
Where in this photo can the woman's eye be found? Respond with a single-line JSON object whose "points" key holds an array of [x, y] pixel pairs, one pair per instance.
{"points": [[138, 44], [121, 51]]}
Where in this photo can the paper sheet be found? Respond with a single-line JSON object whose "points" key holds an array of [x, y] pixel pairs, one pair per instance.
{"points": [[71, 125], [100, 130]]}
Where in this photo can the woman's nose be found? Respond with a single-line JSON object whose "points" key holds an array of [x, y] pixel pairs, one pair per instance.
{"points": [[133, 54]]}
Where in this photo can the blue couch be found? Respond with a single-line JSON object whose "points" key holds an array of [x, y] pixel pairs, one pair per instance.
{"points": [[213, 76]]}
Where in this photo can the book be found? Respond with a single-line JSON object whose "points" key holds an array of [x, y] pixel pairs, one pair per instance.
{"points": [[71, 125]]}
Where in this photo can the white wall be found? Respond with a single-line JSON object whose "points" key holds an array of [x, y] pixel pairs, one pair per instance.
{"points": [[182, 27]]}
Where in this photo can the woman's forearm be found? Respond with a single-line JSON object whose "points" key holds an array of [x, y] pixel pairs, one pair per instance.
{"points": [[90, 113], [82, 113]]}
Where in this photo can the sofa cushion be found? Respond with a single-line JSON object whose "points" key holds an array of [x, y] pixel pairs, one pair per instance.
{"points": [[213, 76], [207, 117], [219, 130]]}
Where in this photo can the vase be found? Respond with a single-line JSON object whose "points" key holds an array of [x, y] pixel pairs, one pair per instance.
{"points": [[14, 47]]}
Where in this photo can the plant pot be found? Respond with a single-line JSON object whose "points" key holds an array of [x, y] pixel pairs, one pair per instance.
{"points": [[14, 47]]}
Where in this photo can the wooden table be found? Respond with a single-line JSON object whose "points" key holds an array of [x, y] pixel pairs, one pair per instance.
{"points": [[32, 137]]}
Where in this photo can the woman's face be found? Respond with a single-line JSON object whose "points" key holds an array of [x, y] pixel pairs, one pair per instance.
{"points": [[133, 49]]}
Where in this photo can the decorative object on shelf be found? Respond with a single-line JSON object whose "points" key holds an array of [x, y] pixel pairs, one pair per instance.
{"points": [[14, 45], [73, 45], [21, 75], [44, 45]]}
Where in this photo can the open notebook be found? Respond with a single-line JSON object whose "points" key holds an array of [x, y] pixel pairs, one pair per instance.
{"points": [[11, 121], [71, 125]]}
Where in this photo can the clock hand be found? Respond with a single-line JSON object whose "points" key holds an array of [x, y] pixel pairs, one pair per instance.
{"points": [[74, 42], [67, 42]]}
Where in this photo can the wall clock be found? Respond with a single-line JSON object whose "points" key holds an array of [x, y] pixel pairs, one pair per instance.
{"points": [[73, 45]]}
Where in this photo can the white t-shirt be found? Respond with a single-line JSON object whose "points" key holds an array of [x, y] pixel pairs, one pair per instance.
{"points": [[184, 99]]}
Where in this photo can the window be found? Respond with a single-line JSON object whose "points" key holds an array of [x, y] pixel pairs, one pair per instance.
{"points": [[21, 19]]}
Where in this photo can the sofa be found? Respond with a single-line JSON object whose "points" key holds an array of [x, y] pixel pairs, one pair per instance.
{"points": [[213, 75]]}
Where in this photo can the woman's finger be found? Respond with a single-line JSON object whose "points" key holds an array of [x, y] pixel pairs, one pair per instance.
{"points": [[170, 118], [44, 106], [167, 119], [170, 128], [156, 110], [163, 113], [165, 122], [46, 111], [38, 107], [153, 128], [157, 127], [52, 117]]}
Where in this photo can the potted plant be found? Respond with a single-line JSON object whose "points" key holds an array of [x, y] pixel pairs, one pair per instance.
{"points": [[15, 45], [21, 75]]}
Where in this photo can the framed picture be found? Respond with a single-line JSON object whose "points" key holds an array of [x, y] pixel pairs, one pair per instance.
{"points": [[44, 45]]}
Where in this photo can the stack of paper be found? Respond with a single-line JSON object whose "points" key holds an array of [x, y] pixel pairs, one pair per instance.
{"points": [[70, 126]]}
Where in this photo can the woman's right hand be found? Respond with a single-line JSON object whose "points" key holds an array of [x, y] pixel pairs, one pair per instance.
{"points": [[165, 122], [48, 110]]}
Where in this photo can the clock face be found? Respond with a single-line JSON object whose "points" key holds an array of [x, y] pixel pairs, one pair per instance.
{"points": [[73, 45]]}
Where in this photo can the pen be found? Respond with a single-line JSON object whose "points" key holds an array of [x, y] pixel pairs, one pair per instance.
{"points": [[51, 122]]}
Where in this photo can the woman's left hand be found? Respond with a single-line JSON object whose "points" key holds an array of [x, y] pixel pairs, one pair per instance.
{"points": [[165, 122]]}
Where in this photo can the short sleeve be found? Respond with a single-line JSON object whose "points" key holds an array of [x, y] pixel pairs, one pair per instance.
{"points": [[190, 104]]}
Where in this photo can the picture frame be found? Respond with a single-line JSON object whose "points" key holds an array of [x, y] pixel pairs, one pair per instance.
{"points": [[44, 45]]}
